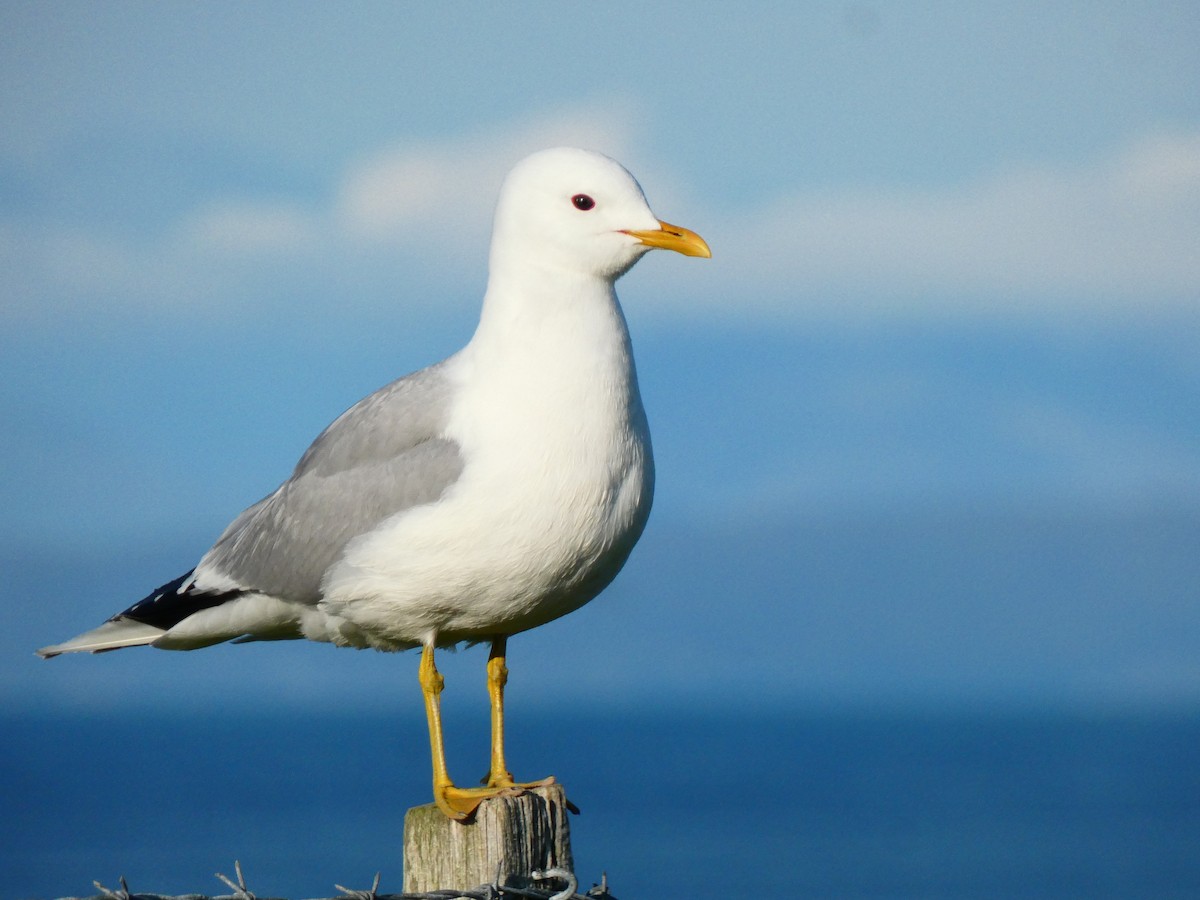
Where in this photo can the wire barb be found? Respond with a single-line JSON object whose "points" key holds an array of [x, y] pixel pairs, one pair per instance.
{"points": [[239, 889], [372, 894], [122, 894], [601, 889]]}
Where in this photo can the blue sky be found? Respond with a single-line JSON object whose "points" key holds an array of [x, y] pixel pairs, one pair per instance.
{"points": [[955, 279]]}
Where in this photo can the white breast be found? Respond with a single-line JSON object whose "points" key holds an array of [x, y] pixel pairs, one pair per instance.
{"points": [[556, 490]]}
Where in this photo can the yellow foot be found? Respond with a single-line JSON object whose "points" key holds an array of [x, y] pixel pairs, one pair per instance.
{"points": [[506, 781], [460, 803]]}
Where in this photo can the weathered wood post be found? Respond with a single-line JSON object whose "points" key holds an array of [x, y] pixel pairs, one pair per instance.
{"points": [[517, 834]]}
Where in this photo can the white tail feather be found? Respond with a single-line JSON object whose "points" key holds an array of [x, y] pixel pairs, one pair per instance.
{"points": [[112, 635]]}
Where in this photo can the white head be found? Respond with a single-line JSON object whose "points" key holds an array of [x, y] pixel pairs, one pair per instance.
{"points": [[581, 212]]}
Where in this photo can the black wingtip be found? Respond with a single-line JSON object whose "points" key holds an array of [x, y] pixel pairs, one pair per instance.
{"points": [[168, 605]]}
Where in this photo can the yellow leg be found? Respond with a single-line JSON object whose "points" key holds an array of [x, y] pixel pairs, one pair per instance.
{"points": [[497, 674], [498, 775], [443, 788], [456, 802]]}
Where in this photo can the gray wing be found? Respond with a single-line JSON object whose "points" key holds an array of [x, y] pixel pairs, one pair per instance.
{"points": [[385, 454]]}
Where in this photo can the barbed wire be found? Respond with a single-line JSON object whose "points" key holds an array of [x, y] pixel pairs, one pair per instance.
{"points": [[493, 891]]}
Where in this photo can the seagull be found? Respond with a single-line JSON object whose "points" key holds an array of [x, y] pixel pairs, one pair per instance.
{"points": [[475, 499]]}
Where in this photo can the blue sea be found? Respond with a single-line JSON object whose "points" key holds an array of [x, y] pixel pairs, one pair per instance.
{"points": [[810, 804]]}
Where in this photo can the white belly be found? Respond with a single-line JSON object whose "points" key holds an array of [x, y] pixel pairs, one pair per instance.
{"points": [[556, 491]]}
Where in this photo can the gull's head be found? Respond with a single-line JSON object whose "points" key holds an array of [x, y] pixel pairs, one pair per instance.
{"points": [[580, 211]]}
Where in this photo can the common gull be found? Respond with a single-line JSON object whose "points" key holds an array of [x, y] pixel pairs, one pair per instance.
{"points": [[469, 501]]}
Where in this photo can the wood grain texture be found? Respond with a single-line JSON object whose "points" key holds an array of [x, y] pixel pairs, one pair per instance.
{"points": [[519, 834]]}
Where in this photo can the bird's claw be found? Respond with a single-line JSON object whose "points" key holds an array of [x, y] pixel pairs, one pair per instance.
{"points": [[460, 803]]}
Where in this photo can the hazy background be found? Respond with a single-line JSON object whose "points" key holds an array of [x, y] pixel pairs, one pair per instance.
{"points": [[927, 425]]}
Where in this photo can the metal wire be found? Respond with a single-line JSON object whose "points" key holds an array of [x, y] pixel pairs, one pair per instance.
{"points": [[494, 891]]}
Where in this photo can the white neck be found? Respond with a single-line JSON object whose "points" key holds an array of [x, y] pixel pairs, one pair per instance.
{"points": [[551, 361], [551, 317]]}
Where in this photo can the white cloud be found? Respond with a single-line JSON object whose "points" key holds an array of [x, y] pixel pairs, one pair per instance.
{"points": [[242, 228], [47, 268], [1122, 233], [1119, 236], [428, 202], [412, 193], [410, 197]]}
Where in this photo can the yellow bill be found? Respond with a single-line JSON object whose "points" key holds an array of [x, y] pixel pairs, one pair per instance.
{"points": [[673, 237]]}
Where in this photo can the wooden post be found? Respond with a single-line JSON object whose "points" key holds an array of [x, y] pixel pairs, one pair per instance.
{"points": [[519, 834]]}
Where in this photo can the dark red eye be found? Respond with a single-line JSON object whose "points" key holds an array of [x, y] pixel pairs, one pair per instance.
{"points": [[583, 202]]}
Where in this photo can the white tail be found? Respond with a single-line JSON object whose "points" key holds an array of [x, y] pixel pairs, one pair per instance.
{"points": [[112, 635]]}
